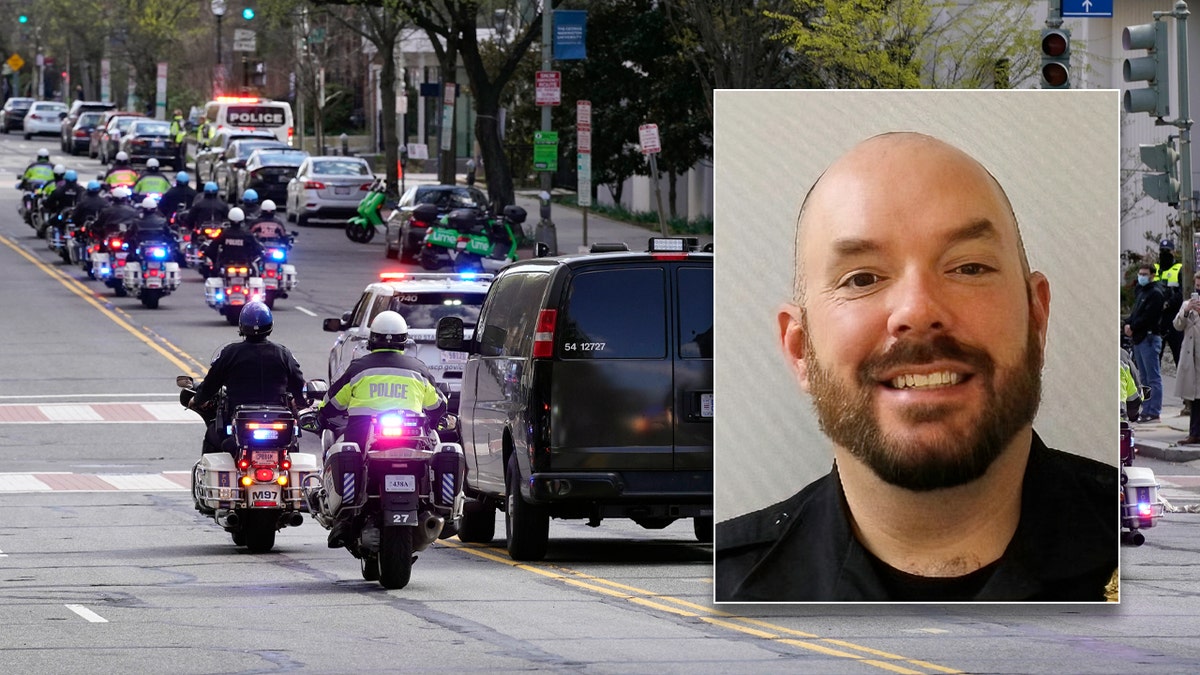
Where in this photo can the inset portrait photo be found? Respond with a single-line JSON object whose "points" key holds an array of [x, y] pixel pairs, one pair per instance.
{"points": [[917, 346]]}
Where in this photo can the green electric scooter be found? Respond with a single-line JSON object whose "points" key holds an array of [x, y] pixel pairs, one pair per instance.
{"points": [[361, 228]]}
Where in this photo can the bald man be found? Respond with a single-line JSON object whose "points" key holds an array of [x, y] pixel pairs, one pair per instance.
{"points": [[917, 328]]}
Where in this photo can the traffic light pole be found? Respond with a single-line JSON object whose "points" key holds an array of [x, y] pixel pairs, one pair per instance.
{"points": [[1184, 122]]}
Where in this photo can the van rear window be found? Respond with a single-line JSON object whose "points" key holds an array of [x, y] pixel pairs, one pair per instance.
{"points": [[615, 314], [695, 312]]}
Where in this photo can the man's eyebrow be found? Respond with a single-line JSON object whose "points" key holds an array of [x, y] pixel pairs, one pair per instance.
{"points": [[979, 228]]}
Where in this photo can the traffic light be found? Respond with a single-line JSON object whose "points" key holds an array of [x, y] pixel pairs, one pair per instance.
{"points": [[23, 19], [1164, 186], [1152, 68], [1056, 58], [248, 13]]}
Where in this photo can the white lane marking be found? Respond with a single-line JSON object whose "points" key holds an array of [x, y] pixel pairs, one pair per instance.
{"points": [[3, 554], [87, 614], [26, 397], [18, 483], [305, 311], [170, 412], [70, 413], [141, 481]]}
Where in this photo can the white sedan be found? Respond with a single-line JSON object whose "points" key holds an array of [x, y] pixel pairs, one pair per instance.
{"points": [[328, 187], [44, 117]]}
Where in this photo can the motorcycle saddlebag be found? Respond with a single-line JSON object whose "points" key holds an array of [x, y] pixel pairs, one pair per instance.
{"points": [[427, 214], [345, 476], [515, 214], [212, 286], [449, 467]]}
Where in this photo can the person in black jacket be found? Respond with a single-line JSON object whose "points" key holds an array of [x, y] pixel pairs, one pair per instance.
{"points": [[253, 371], [1143, 327], [179, 197], [207, 207], [90, 204], [940, 489], [235, 244]]}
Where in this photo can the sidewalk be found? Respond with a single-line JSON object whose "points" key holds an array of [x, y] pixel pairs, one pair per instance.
{"points": [[1160, 440]]}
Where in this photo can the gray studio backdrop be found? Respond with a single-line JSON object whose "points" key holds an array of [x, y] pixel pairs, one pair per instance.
{"points": [[1056, 153]]}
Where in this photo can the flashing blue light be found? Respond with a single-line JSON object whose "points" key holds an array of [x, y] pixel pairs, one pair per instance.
{"points": [[278, 254], [468, 276], [220, 295], [1144, 509], [265, 434], [158, 253]]}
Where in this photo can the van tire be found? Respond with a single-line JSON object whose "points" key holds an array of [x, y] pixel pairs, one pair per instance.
{"points": [[526, 525], [703, 526], [478, 525]]}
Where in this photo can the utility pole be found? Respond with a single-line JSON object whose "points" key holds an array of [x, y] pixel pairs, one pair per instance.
{"points": [[546, 232], [1184, 122]]}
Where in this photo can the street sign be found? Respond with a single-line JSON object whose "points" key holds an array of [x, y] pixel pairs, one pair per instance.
{"points": [[570, 34], [243, 34], [218, 7], [245, 45], [545, 150], [418, 151], [449, 91], [15, 61], [583, 115], [584, 183], [648, 137], [1098, 9], [548, 89]]}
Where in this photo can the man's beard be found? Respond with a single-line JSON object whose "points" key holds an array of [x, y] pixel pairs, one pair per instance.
{"points": [[846, 413]]}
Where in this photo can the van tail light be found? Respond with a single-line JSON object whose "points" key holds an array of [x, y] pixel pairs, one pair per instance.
{"points": [[543, 335], [291, 133]]}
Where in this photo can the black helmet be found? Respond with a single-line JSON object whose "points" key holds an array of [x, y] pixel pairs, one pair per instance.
{"points": [[255, 320], [389, 330]]}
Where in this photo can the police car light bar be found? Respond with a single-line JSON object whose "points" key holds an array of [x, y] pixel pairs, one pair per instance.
{"points": [[433, 276], [238, 99]]}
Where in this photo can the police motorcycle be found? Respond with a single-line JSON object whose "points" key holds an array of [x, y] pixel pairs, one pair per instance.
{"points": [[361, 228], [77, 243], [196, 241], [471, 241], [108, 261], [1141, 507], [278, 275], [397, 493], [232, 286], [154, 273], [60, 233], [252, 489]]}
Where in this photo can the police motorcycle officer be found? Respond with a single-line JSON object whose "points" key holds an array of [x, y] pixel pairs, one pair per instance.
{"points": [[384, 379], [152, 180], [178, 132], [233, 244], [178, 197], [253, 371], [207, 208], [63, 197], [40, 215], [90, 204], [250, 205], [267, 225], [118, 214], [36, 174], [150, 224]]}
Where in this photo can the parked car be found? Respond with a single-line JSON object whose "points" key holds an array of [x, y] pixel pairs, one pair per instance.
{"points": [[328, 187], [110, 136], [422, 299], [208, 155], [403, 234], [234, 158], [79, 135], [77, 109], [148, 138], [12, 115], [44, 118], [588, 394], [268, 171]]}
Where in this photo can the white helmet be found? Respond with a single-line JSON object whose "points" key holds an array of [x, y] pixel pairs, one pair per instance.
{"points": [[389, 330], [236, 215], [152, 163], [122, 156], [268, 206], [59, 169], [122, 192], [149, 203]]}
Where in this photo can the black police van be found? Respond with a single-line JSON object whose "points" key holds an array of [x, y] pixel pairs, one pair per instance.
{"points": [[588, 393]]}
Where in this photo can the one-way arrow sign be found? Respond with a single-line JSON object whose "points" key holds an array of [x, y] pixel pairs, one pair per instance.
{"points": [[1088, 8]]}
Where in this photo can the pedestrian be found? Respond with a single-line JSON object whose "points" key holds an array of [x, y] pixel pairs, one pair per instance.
{"points": [[79, 92], [1143, 328], [941, 490], [1187, 377], [1167, 271]]}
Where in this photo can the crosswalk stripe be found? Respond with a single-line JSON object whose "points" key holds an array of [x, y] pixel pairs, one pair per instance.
{"points": [[167, 481], [70, 413], [96, 413]]}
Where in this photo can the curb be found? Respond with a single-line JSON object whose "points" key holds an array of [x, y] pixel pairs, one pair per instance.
{"points": [[1167, 452]]}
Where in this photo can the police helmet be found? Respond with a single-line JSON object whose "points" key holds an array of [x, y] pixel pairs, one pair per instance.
{"points": [[122, 193], [1167, 244], [236, 215], [389, 330], [255, 320], [149, 203], [93, 186], [182, 178], [268, 206], [152, 163], [210, 188], [250, 197], [43, 155], [70, 176], [122, 156], [59, 170]]}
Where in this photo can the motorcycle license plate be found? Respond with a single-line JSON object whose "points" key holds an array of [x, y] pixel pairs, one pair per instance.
{"points": [[706, 405], [263, 495], [153, 282], [259, 457], [341, 190], [400, 483]]}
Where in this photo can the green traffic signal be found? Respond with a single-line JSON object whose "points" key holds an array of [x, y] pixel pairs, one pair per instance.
{"points": [[248, 13], [23, 19]]}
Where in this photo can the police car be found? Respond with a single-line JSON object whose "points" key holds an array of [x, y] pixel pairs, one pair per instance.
{"points": [[422, 299]]}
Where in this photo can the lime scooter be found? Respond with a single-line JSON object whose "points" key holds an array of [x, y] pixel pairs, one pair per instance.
{"points": [[361, 228], [472, 242]]}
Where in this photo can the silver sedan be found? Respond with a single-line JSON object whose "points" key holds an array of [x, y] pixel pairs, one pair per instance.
{"points": [[328, 187]]}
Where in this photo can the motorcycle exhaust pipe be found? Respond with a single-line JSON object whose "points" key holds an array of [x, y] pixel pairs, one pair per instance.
{"points": [[291, 519], [228, 520], [427, 532]]}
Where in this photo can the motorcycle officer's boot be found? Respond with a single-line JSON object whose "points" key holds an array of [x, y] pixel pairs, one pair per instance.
{"points": [[339, 530]]}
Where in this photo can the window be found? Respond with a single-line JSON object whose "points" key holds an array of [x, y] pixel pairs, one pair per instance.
{"points": [[695, 286], [615, 313], [423, 310], [341, 168], [507, 327]]}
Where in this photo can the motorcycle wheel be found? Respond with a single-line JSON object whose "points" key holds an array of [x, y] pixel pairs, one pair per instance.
{"points": [[395, 557], [231, 317], [260, 531], [150, 299], [119, 291], [362, 234], [370, 567], [65, 254], [430, 261]]}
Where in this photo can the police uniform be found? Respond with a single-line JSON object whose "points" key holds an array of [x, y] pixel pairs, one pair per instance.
{"points": [[383, 380], [234, 244], [177, 198], [253, 372], [206, 209], [803, 549]]}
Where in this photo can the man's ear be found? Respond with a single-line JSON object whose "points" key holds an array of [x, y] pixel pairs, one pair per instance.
{"points": [[791, 338], [1039, 304]]}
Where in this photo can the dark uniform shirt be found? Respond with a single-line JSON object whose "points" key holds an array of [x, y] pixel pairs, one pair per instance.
{"points": [[258, 372], [63, 197], [178, 198], [89, 205], [112, 217], [803, 549], [207, 209], [233, 245]]}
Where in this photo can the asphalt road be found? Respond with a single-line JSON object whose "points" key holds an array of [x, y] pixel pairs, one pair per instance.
{"points": [[105, 566]]}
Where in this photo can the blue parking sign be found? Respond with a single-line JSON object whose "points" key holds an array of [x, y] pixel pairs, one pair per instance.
{"points": [[1088, 8]]}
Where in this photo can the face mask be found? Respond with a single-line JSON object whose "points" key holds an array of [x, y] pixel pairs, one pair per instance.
{"points": [[1143, 279]]}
